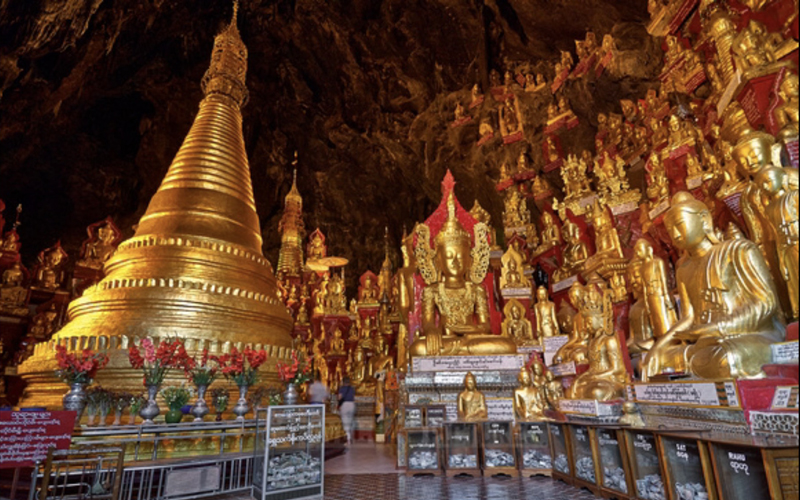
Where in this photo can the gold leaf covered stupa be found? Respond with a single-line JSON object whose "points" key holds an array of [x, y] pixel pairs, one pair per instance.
{"points": [[194, 269]]}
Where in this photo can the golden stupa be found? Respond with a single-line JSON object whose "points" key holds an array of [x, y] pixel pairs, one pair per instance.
{"points": [[292, 229], [194, 269]]}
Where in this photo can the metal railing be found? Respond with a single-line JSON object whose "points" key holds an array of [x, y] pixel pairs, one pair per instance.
{"points": [[79, 473]]}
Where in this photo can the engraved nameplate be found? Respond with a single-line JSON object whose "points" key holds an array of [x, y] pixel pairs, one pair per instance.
{"points": [[501, 409], [785, 352], [581, 406], [564, 284], [659, 209], [516, 292], [688, 393], [467, 363], [694, 182], [188, 481], [563, 369], [624, 208], [785, 398], [552, 345]]}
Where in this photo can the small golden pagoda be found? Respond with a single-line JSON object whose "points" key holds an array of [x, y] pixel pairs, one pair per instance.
{"points": [[292, 229], [195, 268]]}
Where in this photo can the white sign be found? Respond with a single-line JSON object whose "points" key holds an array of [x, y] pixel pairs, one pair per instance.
{"points": [[499, 410], [564, 284], [551, 347], [564, 369], [692, 393], [516, 292], [785, 397], [467, 363], [694, 182], [785, 352], [624, 208], [581, 406], [659, 209]]}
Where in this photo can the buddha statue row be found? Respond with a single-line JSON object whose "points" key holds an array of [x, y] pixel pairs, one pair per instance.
{"points": [[518, 327]]}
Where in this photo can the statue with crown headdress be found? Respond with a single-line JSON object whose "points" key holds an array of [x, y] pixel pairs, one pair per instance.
{"points": [[454, 270]]}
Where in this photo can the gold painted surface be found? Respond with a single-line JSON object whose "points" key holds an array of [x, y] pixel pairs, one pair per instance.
{"points": [[194, 268], [471, 402]]}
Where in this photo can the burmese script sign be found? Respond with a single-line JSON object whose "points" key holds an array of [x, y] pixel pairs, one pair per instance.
{"points": [[785, 352], [25, 436], [688, 393], [467, 363]]}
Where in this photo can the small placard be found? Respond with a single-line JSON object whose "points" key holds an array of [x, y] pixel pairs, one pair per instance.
{"points": [[194, 480], [499, 409], [25, 436], [552, 345], [688, 393], [413, 417], [694, 182], [564, 284], [435, 415], [587, 201], [578, 406], [516, 292], [624, 208], [467, 363], [564, 369], [785, 352], [659, 209], [785, 398]]}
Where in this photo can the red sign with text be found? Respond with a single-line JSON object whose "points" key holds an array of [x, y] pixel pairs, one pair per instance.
{"points": [[25, 436]]}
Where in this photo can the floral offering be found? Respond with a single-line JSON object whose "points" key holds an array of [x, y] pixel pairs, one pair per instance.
{"points": [[298, 372], [155, 362], [242, 367]]}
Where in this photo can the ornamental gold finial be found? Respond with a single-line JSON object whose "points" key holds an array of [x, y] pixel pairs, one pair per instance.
{"points": [[452, 230], [228, 69]]}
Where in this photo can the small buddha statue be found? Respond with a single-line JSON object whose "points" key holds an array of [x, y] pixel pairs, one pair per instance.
{"points": [[540, 188], [679, 136], [516, 213], [471, 402], [660, 306], [352, 334], [659, 134], [320, 296], [575, 349], [509, 118], [319, 362], [658, 187], [528, 404], [337, 342], [631, 415], [545, 311], [675, 51], [477, 97], [693, 168], [302, 314], [552, 113], [515, 325], [551, 234], [607, 376], [730, 314], [359, 375], [12, 294], [782, 207], [576, 182], [607, 244], [602, 123], [786, 113], [615, 129], [575, 253], [381, 361], [50, 272], [566, 60], [462, 304], [640, 338], [10, 243], [459, 113], [369, 291], [100, 246], [553, 389], [733, 182], [316, 248], [510, 275]]}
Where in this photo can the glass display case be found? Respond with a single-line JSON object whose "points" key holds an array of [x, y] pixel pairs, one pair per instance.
{"points": [[642, 449], [613, 463], [461, 448], [289, 452], [583, 461], [534, 448], [414, 416], [423, 451], [499, 454], [687, 466], [561, 450], [435, 415]]}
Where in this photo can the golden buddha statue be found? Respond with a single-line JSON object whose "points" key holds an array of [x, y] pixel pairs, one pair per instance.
{"points": [[693, 168], [786, 113], [381, 361], [631, 416], [316, 247], [675, 51], [454, 276], [337, 342], [510, 274], [515, 325], [575, 349], [477, 97], [302, 314], [551, 234], [509, 117], [540, 188], [640, 338], [730, 312], [659, 134], [576, 182], [608, 249], [352, 334], [607, 376], [516, 213], [335, 300], [782, 208], [658, 187], [10, 243], [658, 298], [369, 291], [319, 362], [359, 375], [757, 52], [528, 403], [406, 280], [615, 130], [100, 246], [320, 296], [471, 402], [50, 271], [12, 294], [679, 136], [545, 311], [553, 389], [733, 182], [575, 253]]}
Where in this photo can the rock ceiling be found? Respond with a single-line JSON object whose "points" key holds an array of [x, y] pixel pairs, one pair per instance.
{"points": [[96, 97]]}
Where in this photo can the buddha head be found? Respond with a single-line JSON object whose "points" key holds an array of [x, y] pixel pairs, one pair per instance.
{"points": [[788, 90], [628, 109], [630, 408], [515, 312], [452, 251], [753, 152], [524, 377], [576, 293], [689, 222], [771, 180], [469, 382], [635, 276], [592, 310], [643, 249], [541, 294], [602, 121], [53, 258], [573, 232], [537, 369]]}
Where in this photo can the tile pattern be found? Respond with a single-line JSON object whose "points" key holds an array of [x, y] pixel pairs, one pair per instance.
{"points": [[400, 487]]}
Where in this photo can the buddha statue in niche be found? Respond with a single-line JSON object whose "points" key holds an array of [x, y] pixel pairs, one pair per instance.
{"points": [[640, 338], [546, 318], [50, 272], [100, 246], [786, 113], [551, 234], [454, 289], [471, 402], [511, 275], [575, 253], [576, 347], [730, 314], [515, 325]]}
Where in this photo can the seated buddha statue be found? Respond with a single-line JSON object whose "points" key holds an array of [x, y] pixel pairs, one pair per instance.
{"points": [[658, 187], [50, 272], [359, 374], [100, 246], [551, 234], [462, 304], [337, 342], [546, 318], [369, 291], [575, 349], [575, 253], [511, 275], [10, 243], [607, 376], [786, 113], [515, 325], [471, 402], [730, 314], [528, 403], [553, 390], [607, 244], [12, 293]]}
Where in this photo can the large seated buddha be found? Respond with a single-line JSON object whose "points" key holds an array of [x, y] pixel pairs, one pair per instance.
{"points": [[454, 294]]}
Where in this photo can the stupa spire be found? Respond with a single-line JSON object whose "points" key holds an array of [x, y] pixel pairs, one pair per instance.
{"points": [[292, 229]]}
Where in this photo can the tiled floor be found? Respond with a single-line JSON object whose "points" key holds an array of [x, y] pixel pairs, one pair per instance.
{"points": [[363, 458]]}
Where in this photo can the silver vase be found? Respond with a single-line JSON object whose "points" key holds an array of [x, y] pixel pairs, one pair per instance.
{"points": [[75, 400], [150, 410], [290, 395], [200, 408], [241, 408]]}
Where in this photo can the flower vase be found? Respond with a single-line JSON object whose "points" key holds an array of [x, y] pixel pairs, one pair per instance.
{"points": [[200, 408], [132, 418], [117, 417], [75, 400], [290, 395], [150, 410], [241, 408], [173, 416], [219, 416]]}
